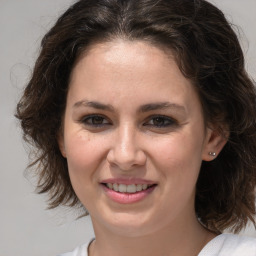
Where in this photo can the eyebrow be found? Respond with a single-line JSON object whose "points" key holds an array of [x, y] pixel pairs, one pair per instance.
{"points": [[94, 104], [161, 105], [142, 109]]}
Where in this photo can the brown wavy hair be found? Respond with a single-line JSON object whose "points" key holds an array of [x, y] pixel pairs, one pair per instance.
{"points": [[207, 52]]}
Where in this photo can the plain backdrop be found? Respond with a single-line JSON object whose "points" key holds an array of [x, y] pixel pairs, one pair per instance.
{"points": [[26, 227]]}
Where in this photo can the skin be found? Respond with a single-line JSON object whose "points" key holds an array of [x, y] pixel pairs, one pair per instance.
{"points": [[125, 138]]}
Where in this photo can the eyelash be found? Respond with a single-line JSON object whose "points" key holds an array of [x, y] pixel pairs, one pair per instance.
{"points": [[165, 121], [89, 120], [99, 121]]}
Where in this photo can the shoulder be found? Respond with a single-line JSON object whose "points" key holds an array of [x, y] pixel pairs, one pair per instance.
{"points": [[81, 250], [228, 244]]}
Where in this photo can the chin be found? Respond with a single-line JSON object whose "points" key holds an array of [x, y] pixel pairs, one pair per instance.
{"points": [[129, 224]]}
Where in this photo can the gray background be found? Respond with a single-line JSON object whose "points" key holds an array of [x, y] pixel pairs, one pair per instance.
{"points": [[26, 228]]}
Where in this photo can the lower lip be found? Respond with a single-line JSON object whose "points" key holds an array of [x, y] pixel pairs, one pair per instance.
{"points": [[127, 198]]}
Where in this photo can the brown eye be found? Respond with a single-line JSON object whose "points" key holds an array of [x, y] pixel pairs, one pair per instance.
{"points": [[95, 120], [160, 122]]}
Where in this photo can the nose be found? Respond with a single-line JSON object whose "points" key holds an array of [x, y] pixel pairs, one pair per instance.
{"points": [[126, 151]]}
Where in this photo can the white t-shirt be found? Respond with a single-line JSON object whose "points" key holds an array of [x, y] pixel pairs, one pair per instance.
{"points": [[222, 245]]}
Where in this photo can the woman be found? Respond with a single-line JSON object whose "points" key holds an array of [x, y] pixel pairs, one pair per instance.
{"points": [[142, 112]]}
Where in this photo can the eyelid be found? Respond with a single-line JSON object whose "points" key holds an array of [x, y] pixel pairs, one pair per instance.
{"points": [[172, 121], [91, 116], [164, 121]]}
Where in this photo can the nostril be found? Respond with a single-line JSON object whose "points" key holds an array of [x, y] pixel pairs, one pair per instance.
{"points": [[126, 159]]}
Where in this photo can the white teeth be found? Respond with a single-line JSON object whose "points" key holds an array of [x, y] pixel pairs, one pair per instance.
{"points": [[115, 187], [131, 188], [139, 187], [122, 188], [110, 185]]}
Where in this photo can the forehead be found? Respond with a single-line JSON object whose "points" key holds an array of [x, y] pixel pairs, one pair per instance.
{"points": [[125, 52], [126, 58], [121, 69]]}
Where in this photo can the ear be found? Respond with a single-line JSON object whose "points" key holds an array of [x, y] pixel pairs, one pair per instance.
{"points": [[60, 140], [215, 140]]}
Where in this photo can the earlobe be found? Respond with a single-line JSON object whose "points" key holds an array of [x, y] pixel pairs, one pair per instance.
{"points": [[214, 143]]}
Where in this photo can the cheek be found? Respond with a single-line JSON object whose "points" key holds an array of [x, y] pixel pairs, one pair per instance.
{"points": [[179, 156], [84, 157], [84, 154]]}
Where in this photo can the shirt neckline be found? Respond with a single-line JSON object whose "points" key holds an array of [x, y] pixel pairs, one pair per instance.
{"points": [[210, 244]]}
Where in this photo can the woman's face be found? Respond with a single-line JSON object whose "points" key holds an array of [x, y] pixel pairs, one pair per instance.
{"points": [[133, 123]]}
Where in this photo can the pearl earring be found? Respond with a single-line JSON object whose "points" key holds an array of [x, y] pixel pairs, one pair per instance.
{"points": [[212, 153]]}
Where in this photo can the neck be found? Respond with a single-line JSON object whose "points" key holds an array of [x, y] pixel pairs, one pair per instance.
{"points": [[185, 240]]}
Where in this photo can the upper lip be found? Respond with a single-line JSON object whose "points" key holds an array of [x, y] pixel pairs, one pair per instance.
{"points": [[128, 181]]}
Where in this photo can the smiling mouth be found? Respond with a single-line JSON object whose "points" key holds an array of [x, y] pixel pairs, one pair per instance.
{"points": [[131, 188]]}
